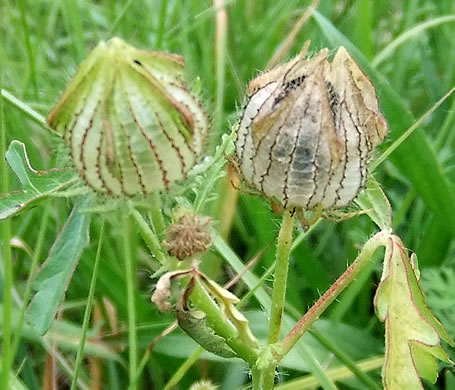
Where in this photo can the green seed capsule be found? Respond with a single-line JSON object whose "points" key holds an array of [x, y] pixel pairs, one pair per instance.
{"points": [[308, 131], [129, 120]]}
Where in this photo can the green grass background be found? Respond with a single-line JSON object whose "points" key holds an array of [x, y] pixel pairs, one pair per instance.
{"points": [[41, 44]]}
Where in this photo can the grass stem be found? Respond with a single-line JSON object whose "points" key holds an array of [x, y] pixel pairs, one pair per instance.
{"points": [[88, 309], [7, 263], [130, 287], [183, 369]]}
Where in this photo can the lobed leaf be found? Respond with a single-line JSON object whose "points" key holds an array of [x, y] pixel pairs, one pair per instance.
{"points": [[37, 184], [413, 334]]}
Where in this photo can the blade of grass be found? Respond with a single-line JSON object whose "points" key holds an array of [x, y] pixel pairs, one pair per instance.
{"points": [[337, 373], [88, 310], [363, 27], [409, 131], [130, 283], [28, 111], [6, 254], [28, 45], [72, 17], [407, 35], [220, 54], [161, 24], [183, 369], [32, 273]]}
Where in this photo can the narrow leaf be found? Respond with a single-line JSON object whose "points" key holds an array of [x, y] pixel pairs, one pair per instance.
{"points": [[375, 203], [51, 283]]}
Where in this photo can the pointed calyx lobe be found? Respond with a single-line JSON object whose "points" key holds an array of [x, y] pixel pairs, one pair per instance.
{"points": [[308, 131], [129, 120]]}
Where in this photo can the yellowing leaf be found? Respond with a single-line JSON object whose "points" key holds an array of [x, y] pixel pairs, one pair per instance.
{"points": [[413, 334], [227, 302], [129, 120]]}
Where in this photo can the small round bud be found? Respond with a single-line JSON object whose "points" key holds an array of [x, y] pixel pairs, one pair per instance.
{"points": [[308, 131], [188, 236]]}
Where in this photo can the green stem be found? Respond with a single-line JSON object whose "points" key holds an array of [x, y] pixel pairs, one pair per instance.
{"points": [[225, 329], [7, 265], [149, 236], [129, 271], [283, 252], [183, 369], [88, 310], [332, 293], [156, 214], [256, 376]]}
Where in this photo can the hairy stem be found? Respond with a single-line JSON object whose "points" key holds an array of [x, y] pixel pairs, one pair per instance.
{"points": [[333, 292], [283, 252]]}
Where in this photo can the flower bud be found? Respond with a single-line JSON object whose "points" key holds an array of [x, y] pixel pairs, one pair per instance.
{"points": [[189, 236], [308, 131], [129, 120]]}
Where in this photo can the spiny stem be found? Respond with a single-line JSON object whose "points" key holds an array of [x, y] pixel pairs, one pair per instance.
{"points": [[332, 293], [88, 309]]}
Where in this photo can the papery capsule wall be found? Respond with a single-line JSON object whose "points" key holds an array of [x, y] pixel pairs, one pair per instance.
{"points": [[308, 131]]}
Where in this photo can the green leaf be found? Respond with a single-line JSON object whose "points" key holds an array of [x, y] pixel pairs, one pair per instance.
{"points": [[37, 184], [415, 157], [376, 204], [51, 283], [413, 334], [193, 322]]}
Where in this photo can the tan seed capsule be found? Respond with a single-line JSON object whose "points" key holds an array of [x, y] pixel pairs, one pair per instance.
{"points": [[308, 131]]}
